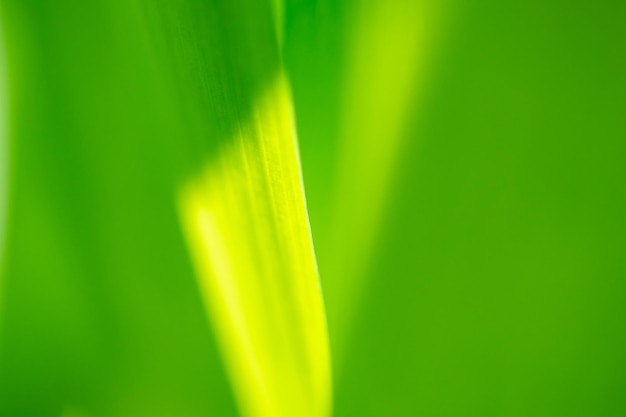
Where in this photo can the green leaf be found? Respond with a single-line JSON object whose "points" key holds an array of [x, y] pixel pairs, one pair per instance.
{"points": [[247, 227], [357, 110], [114, 106]]}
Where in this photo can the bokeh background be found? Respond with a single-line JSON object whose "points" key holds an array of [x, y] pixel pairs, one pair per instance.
{"points": [[464, 164]]}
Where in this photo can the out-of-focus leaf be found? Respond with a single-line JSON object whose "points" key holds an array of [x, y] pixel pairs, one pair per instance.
{"points": [[112, 104], [388, 55], [247, 226], [381, 55]]}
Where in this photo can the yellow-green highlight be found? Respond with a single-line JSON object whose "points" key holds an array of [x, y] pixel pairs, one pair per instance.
{"points": [[247, 228], [390, 44]]}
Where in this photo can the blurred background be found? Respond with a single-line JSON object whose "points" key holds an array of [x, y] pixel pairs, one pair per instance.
{"points": [[464, 163]]}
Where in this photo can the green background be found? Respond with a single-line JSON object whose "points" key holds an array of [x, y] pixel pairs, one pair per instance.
{"points": [[496, 282]]}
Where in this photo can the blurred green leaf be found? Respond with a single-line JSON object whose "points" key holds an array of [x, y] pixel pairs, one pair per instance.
{"points": [[248, 229], [113, 105], [466, 200]]}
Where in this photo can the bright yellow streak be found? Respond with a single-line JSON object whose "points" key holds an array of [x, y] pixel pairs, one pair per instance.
{"points": [[246, 225]]}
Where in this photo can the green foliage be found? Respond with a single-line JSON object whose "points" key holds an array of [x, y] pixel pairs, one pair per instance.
{"points": [[247, 226], [463, 165]]}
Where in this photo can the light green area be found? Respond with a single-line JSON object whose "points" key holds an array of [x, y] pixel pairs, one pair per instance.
{"points": [[389, 50]]}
